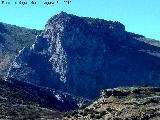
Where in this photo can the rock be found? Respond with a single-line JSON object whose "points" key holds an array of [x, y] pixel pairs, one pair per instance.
{"points": [[84, 55], [120, 107]]}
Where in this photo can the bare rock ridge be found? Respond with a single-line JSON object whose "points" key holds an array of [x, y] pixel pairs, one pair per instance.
{"points": [[82, 55]]}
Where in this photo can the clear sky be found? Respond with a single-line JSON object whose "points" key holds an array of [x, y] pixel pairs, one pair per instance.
{"points": [[139, 16]]}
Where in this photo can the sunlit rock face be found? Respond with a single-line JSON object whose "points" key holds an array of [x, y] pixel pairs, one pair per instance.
{"points": [[84, 55]]}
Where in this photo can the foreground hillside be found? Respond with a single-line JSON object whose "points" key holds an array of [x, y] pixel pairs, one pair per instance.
{"points": [[22, 101], [27, 102], [18, 104], [12, 40], [122, 104]]}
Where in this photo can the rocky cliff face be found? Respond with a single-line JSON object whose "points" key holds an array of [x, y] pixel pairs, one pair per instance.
{"points": [[84, 55]]}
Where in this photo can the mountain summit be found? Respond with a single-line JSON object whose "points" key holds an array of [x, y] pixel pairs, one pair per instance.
{"points": [[83, 55]]}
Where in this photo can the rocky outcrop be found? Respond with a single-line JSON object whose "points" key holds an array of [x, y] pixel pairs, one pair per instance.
{"points": [[121, 104], [83, 55]]}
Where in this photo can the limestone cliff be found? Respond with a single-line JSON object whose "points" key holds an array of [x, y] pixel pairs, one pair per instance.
{"points": [[84, 55]]}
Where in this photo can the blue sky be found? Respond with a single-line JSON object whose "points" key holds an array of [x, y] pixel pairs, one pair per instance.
{"points": [[139, 16]]}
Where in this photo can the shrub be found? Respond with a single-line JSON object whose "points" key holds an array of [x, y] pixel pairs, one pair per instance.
{"points": [[92, 116], [83, 106], [102, 113]]}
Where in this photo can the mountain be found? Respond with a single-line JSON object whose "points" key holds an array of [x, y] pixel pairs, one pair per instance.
{"points": [[19, 100], [81, 56], [121, 104], [12, 40]]}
